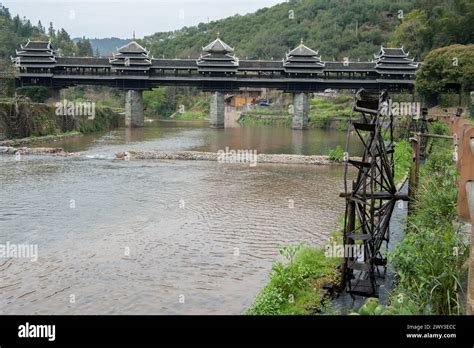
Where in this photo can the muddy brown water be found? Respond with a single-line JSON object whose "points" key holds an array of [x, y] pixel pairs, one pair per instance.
{"points": [[160, 237]]}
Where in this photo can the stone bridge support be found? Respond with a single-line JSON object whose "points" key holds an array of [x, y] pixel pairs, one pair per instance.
{"points": [[217, 114], [134, 112], [300, 111]]}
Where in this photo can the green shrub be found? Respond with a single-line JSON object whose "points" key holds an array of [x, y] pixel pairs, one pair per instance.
{"points": [[337, 154], [294, 287], [440, 128], [398, 306], [428, 260], [36, 94]]}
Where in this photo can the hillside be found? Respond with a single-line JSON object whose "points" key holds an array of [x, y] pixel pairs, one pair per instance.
{"points": [[16, 30], [106, 46], [342, 28], [346, 28]]}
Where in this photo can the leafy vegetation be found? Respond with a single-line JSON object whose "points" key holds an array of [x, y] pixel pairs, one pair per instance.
{"points": [[338, 29], [323, 111], [190, 116], [444, 68], [403, 159], [428, 261], [336, 154], [398, 307], [16, 30], [41, 120], [295, 287], [433, 24], [256, 119], [182, 102]]}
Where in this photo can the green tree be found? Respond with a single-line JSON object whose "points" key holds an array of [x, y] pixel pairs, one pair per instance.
{"points": [[51, 31], [414, 34], [450, 67], [157, 102], [84, 48]]}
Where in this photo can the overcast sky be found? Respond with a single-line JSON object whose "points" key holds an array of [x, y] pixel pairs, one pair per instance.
{"points": [[106, 18]]}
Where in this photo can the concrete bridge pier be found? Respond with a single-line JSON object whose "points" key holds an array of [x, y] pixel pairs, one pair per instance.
{"points": [[217, 114], [300, 111], [134, 112]]}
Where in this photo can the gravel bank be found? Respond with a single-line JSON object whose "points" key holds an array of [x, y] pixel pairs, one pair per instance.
{"points": [[211, 156]]}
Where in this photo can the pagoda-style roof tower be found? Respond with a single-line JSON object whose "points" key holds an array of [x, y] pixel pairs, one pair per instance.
{"points": [[394, 61], [303, 60], [36, 54], [217, 57], [132, 56]]}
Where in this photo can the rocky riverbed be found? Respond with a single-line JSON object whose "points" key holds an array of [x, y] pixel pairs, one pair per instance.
{"points": [[8, 150], [212, 156], [250, 158]]}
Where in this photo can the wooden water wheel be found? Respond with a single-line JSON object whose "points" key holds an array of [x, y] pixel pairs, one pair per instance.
{"points": [[371, 197]]}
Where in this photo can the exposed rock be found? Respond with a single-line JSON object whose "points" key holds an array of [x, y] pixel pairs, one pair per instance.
{"points": [[56, 151]]}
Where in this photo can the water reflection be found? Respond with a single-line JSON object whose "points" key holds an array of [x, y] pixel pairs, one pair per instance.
{"points": [[180, 221], [195, 135]]}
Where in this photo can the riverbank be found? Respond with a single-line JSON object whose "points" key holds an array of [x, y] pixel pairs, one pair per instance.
{"points": [[31, 120], [326, 112], [306, 286], [40, 139], [430, 261]]}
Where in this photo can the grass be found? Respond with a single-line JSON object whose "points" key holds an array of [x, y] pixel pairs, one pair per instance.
{"points": [[428, 261], [190, 115], [250, 120], [295, 286], [403, 159], [324, 111]]}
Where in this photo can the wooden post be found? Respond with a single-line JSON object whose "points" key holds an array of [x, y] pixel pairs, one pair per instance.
{"points": [[350, 228], [414, 172]]}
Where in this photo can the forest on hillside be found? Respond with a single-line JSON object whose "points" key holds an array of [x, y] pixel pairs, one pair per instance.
{"points": [[15, 31], [336, 28], [342, 28]]}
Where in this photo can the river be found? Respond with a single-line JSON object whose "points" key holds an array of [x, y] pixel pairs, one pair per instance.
{"points": [[160, 237]]}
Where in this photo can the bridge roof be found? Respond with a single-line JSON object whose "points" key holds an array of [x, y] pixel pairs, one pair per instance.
{"points": [[132, 47], [394, 61], [303, 51], [37, 45], [218, 46], [82, 62]]}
